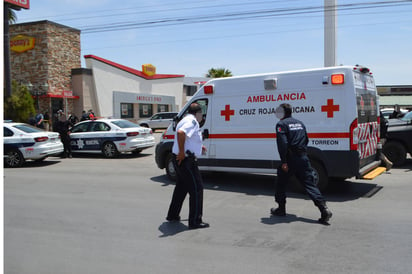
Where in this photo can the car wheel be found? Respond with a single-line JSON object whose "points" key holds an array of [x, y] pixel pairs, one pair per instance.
{"points": [[14, 158], [395, 152], [109, 150], [170, 168]]}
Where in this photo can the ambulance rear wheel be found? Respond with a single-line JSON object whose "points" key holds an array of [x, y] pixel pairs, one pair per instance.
{"points": [[170, 168], [321, 178]]}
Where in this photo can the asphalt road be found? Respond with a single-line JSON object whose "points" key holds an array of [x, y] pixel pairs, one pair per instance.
{"points": [[94, 215]]}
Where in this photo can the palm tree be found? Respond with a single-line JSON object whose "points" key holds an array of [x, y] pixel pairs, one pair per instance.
{"points": [[12, 16], [218, 73]]}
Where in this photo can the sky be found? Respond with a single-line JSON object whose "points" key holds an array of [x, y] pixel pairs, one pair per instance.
{"points": [[243, 36]]}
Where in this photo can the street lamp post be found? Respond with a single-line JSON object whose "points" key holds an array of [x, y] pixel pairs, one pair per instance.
{"points": [[38, 90]]}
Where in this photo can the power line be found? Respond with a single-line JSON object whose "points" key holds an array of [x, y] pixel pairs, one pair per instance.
{"points": [[235, 16]]}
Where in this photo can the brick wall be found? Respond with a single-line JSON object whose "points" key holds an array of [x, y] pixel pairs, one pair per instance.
{"points": [[56, 52]]}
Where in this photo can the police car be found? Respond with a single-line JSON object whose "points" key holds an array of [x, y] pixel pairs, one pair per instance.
{"points": [[110, 137], [24, 142]]}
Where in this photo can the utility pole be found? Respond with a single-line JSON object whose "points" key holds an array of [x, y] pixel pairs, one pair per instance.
{"points": [[330, 24], [7, 67]]}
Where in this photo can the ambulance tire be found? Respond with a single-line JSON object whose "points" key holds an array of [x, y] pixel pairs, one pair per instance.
{"points": [[170, 169], [319, 173], [395, 152]]}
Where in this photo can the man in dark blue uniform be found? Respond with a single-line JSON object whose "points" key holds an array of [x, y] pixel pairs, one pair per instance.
{"points": [[292, 141]]}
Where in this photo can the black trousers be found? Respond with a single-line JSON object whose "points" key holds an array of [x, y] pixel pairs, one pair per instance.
{"points": [[299, 165], [188, 181]]}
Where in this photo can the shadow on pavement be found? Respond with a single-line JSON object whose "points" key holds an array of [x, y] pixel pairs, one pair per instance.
{"points": [[171, 228], [253, 184], [289, 218]]}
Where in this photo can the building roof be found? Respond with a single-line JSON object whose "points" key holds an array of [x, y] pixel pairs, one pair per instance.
{"points": [[132, 70], [43, 22]]}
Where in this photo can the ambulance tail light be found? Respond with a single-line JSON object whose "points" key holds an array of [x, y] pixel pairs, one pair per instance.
{"points": [[354, 135], [338, 79], [208, 89]]}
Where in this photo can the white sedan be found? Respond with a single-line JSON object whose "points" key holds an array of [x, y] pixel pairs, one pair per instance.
{"points": [[23, 142], [110, 137]]}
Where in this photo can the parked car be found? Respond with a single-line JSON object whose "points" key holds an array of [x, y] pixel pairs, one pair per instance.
{"points": [[160, 120], [387, 112], [110, 137], [399, 139], [24, 142]]}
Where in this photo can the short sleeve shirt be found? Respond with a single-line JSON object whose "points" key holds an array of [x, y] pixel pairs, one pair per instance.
{"points": [[193, 142]]}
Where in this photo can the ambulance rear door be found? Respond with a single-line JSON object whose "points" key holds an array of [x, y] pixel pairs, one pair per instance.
{"points": [[367, 120]]}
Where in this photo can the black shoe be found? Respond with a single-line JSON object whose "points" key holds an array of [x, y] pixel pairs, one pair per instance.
{"points": [[173, 219], [199, 225], [278, 211], [325, 216]]}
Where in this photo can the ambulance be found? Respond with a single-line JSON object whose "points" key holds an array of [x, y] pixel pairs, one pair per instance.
{"points": [[338, 105]]}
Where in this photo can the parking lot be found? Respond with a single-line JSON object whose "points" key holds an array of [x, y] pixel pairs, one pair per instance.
{"points": [[90, 214]]}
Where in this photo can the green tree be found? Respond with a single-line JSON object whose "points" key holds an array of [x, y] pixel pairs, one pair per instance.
{"points": [[19, 107], [12, 16], [218, 73]]}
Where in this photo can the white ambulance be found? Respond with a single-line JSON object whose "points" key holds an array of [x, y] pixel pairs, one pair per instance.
{"points": [[338, 106]]}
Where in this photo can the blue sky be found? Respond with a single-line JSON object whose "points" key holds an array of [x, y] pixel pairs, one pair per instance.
{"points": [[190, 37]]}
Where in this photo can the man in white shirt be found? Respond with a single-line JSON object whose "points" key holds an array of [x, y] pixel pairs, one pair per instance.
{"points": [[187, 147]]}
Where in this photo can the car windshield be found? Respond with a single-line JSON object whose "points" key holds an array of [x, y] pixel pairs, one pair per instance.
{"points": [[407, 117], [28, 128], [124, 124]]}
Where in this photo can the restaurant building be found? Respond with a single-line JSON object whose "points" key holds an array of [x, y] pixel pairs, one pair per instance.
{"points": [[46, 57]]}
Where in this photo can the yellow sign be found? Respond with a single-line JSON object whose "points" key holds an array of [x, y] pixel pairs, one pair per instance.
{"points": [[149, 69], [22, 43]]}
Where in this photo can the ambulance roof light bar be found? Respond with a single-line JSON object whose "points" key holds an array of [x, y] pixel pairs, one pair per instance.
{"points": [[362, 69]]}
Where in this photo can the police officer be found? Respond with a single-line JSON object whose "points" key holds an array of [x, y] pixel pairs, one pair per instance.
{"points": [[292, 141], [186, 147]]}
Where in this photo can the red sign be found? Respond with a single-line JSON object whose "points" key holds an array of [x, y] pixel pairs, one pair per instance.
{"points": [[25, 4]]}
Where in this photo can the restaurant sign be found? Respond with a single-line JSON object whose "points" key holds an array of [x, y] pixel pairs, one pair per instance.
{"points": [[149, 69], [25, 4], [22, 43]]}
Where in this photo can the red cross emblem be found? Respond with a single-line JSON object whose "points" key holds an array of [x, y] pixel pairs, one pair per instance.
{"points": [[227, 112], [330, 108]]}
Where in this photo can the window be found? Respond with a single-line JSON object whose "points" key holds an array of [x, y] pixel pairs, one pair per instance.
{"points": [[145, 110], [7, 132], [127, 110], [80, 127], [162, 108], [99, 126]]}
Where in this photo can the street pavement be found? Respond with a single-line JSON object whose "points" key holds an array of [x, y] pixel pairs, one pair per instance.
{"points": [[89, 214]]}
